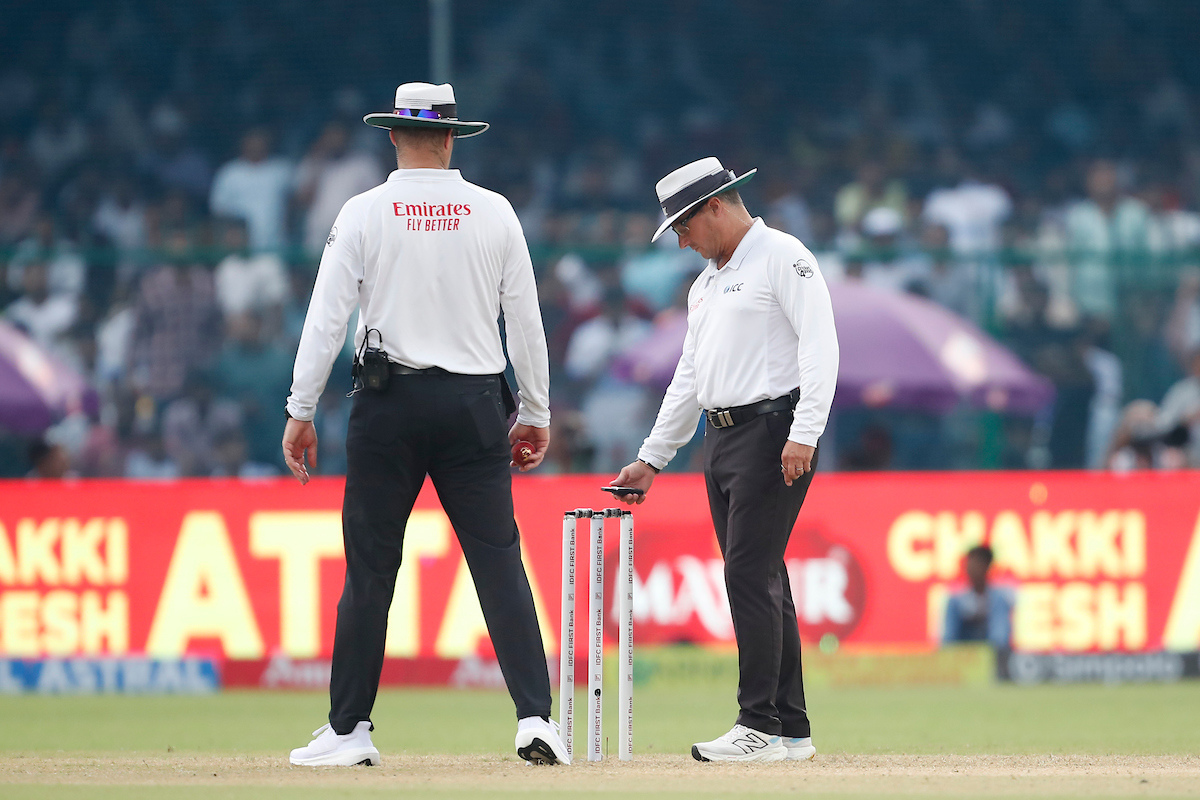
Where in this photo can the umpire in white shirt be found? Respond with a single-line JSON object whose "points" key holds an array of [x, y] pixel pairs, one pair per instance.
{"points": [[760, 360], [432, 261]]}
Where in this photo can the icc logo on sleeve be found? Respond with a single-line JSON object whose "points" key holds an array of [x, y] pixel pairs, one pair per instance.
{"points": [[332, 236], [803, 268]]}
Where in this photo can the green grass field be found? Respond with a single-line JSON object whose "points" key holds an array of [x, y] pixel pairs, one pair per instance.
{"points": [[1088, 719], [1134, 740]]}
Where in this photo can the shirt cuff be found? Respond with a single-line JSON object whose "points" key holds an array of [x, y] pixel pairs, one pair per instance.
{"points": [[533, 421], [295, 411], [655, 461]]}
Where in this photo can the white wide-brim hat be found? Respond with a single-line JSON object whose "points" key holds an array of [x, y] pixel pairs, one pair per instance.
{"points": [[425, 105], [692, 184]]}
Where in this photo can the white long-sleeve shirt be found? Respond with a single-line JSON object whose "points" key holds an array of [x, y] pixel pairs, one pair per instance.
{"points": [[758, 327], [432, 261]]}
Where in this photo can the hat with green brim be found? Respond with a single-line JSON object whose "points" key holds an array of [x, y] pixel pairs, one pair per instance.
{"points": [[425, 105]]}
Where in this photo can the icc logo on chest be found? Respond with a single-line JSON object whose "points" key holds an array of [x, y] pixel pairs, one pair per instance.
{"points": [[737, 287]]}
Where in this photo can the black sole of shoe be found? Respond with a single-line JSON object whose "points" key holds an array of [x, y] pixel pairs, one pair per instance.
{"points": [[696, 754], [366, 762], [538, 752]]}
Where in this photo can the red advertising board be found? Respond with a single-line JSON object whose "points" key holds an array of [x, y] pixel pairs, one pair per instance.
{"points": [[253, 570]]}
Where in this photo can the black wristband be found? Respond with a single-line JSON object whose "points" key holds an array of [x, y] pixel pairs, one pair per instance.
{"points": [[651, 466]]}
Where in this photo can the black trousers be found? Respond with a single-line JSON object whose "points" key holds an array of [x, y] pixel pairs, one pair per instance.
{"points": [[453, 428], [753, 512]]}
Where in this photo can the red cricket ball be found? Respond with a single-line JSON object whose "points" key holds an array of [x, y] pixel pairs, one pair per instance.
{"points": [[522, 452]]}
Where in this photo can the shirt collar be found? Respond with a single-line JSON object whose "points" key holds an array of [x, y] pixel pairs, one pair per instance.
{"points": [[744, 246], [425, 174]]}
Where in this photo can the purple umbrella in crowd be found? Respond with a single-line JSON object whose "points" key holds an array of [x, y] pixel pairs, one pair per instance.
{"points": [[36, 389], [897, 350], [652, 361], [903, 351]]}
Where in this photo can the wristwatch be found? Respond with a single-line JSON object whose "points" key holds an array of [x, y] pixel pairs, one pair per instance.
{"points": [[651, 466]]}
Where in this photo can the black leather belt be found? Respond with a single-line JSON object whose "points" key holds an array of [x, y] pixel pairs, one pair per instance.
{"points": [[401, 369], [728, 417]]}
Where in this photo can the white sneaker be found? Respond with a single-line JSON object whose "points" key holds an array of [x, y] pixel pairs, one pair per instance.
{"points": [[329, 749], [799, 749], [538, 742], [741, 744]]}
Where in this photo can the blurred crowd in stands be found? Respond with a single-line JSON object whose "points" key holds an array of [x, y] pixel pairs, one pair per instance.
{"points": [[169, 174]]}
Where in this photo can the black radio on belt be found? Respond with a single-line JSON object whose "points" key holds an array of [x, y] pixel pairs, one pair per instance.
{"points": [[372, 369]]}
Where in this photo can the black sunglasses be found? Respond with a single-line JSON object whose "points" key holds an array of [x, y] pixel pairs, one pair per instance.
{"points": [[681, 225]]}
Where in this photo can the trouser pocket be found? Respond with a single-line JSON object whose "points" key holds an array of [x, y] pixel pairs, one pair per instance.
{"points": [[487, 412]]}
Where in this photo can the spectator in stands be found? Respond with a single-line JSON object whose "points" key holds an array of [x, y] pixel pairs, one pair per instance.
{"points": [[46, 317], [888, 263], [49, 460], [76, 107], [1059, 353], [973, 211], [1183, 325], [786, 209], [177, 324], [327, 177], [1181, 408], [147, 458], [594, 346], [1104, 232], [1139, 444], [1150, 366], [981, 612], [255, 186], [249, 281], [66, 271], [121, 216], [193, 423], [171, 159], [256, 372], [943, 278], [872, 188], [653, 275], [102, 455], [114, 335], [1174, 230]]}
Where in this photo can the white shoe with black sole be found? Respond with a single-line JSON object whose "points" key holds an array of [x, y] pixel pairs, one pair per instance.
{"points": [[538, 742], [330, 749], [741, 744], [799, 748]]}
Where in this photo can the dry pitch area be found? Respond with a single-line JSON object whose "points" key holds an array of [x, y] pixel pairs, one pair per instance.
{"points": [[648, 776]]}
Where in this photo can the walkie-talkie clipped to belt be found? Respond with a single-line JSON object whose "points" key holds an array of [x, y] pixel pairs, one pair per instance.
{"points": [[372, 369]]}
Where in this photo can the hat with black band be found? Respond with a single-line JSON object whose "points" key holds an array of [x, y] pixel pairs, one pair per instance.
{"points": [[691, 185], [425, 105]]}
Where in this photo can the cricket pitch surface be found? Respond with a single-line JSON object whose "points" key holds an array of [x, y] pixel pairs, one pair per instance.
{"points": [[837, 775]]}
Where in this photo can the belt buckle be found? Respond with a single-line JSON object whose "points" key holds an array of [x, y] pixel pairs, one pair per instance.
{"points": [[720, 419]]}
